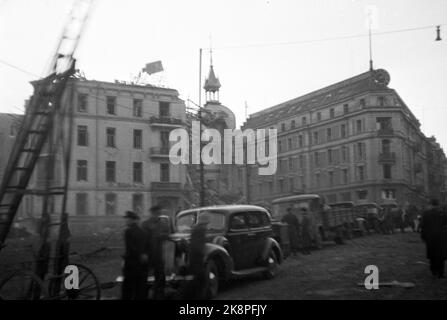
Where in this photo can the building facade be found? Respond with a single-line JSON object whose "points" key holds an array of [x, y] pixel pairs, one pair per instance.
{"points": [[355, 140], [119, 155]]}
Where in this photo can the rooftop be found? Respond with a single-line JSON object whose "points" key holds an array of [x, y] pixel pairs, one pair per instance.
{"points": [[376, 80]]}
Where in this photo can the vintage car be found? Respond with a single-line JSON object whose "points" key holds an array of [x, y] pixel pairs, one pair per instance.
{"points": [[240, 242], [370, 212]]}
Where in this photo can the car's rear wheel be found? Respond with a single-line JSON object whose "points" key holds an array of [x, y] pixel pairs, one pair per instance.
{"points": [[272, 265], [212, 279]]}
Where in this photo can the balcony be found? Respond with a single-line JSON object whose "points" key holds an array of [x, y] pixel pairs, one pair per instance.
{"points": [[166, 121], [385, 132], [159, 152], [389, 157], [165, 186]]}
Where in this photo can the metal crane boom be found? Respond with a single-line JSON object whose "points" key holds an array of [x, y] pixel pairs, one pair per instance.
{"points": [[38, 126]]}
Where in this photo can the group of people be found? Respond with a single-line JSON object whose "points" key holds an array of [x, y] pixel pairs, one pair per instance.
{"points": [[389, 219], [144, 253], [300, 233]]}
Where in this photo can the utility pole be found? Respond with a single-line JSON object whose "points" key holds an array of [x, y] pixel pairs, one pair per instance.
{"points": [[202, 182]]}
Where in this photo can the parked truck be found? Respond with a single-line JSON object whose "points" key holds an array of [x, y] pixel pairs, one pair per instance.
{"points": [[326, 224]]}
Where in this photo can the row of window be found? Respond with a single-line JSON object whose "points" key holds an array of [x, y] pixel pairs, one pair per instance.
{"points": [[322, 180], [111, 106], [83, 137], [338, 177], [110, 171], [319, 116], [386, 194], [381, 102], [319, 136], [329, 157], [111, 203]]}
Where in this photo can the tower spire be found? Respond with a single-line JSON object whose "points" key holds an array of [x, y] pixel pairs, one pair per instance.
{"points": [[211, 50], [212, 83]]}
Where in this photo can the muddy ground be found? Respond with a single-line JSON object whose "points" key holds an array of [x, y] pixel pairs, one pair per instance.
{"points": [[333, 272]]}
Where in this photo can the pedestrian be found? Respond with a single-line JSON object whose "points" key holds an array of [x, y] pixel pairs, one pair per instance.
{"points": [[434, 224], [412, 214], [157, 232], [196, 289], [293, 230], [306, 231], [389, 221], [397, 217], [135, 268]]}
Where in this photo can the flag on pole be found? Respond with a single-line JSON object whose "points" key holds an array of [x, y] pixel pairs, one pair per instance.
{"points": [[153, 67]]}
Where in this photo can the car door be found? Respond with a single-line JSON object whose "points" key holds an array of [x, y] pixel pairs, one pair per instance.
{"points": [[260, 230], [237, 237]]}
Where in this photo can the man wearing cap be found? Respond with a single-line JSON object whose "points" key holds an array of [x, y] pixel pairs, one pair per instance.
{"points": [[157, 232], [135, 268]]}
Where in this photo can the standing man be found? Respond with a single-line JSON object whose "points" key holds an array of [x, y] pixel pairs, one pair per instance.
{"points": [[294, 231], [434, 224], [197, 288], [306, 232], [157, 232], [135, 268]]}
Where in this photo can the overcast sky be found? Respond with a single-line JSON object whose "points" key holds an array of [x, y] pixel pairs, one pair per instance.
{"points": [[248, 56]]}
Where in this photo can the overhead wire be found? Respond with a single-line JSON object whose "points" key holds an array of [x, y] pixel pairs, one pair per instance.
{"points": [[252, 46], [363, 35]]}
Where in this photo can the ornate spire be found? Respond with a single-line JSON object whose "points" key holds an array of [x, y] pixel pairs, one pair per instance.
{"points": [[212, 83]]}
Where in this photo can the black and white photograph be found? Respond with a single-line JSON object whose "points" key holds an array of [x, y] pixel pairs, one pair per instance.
{"points": [[223, 155]]}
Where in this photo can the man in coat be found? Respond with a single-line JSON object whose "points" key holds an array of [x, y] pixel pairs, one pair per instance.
{"points": [[157, 232], [306, 231], [197, 288], [135, 268], [434, 227], [294, 231]]}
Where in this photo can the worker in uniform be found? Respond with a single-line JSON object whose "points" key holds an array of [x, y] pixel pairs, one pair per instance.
{"points": [[157, 232], [294, 231], [135, 268]]}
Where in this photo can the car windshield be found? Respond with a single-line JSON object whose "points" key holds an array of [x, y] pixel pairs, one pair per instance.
{"points": [[185, 222]]}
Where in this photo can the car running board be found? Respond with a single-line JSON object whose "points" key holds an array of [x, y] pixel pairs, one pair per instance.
{"points": [[250, 271]]}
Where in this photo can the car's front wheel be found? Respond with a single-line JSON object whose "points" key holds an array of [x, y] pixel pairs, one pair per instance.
{"points": [[212, 279], [272, 265]]}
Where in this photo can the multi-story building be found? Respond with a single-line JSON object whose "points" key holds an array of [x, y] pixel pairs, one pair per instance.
{"points": [[355, 140], [437, 166], [120, 153]]}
